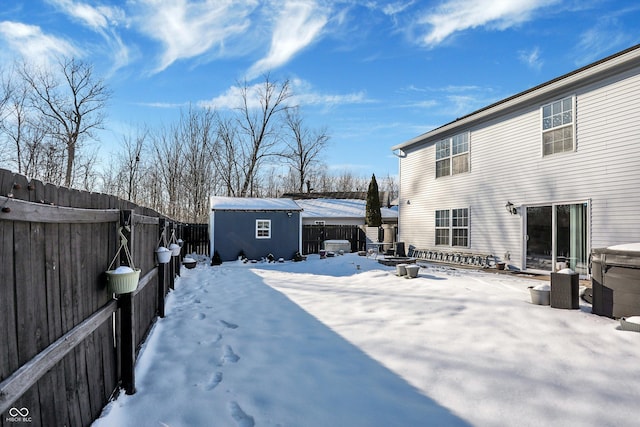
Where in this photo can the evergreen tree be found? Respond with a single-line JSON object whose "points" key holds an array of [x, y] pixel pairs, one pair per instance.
{"points": [[373, 217]]}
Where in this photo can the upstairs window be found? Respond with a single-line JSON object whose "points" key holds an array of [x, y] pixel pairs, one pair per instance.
{"points": [[263, 229], [452, 155], [557, 127]]}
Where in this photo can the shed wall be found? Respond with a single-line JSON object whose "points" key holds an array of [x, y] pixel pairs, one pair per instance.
{"points": [[235, 231]]}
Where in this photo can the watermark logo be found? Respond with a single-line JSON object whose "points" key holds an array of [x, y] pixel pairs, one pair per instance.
{"points": [[18, 415]]}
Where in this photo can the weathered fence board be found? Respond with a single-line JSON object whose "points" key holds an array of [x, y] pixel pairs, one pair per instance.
{"points": [[20, 210], [314, 235], [29, 373], [61, 354], [196, 237]]}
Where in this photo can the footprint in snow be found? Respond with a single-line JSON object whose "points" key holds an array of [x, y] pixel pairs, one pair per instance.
{"points": [[229, 355], [227, 324], [212, 341], [240, 416], [215, 380], [199, 316]]}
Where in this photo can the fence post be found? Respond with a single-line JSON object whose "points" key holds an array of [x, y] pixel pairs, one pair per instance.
{"points": [[161, 273], [127, 323], [172, 265], [179, 257]]}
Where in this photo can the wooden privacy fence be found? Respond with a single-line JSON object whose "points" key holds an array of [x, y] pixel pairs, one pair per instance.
{"points": [[314, 235], [67, 344], [196, 238]]}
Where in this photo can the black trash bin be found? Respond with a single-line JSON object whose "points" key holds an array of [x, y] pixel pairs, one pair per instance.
{"points": [[565, 290], [400, 249]]}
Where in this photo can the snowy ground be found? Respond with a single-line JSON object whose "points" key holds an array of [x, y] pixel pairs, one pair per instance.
{"points": [[323, 343]]}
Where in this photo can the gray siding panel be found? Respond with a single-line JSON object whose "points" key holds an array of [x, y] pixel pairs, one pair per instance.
{"points": [[236, 230], [507, 165]]}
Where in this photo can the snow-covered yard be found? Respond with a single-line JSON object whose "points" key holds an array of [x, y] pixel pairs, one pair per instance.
{"points": [[323, 343]]}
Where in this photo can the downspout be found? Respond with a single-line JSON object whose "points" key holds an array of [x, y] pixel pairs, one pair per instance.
{"points": [[400, 155], [300, 232]]}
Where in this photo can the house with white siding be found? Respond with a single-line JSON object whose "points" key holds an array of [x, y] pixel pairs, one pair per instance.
{"points": [[537, 179]]}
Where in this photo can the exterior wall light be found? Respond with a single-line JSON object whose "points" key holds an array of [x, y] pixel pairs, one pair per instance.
{"points": [[511, 208]]}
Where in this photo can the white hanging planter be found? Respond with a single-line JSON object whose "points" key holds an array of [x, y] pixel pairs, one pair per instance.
{"points": [[163, 254], [123, 279], [175, 245], [175, 249]]}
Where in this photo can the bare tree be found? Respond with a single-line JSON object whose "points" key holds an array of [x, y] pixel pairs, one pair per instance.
{"points": [[130, 157], [197, 134], [72, 104], [259, 136], [226, 160], [169, 162], [304, 146], [26, 137]]}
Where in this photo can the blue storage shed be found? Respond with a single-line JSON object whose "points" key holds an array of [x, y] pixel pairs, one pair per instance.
{"points": [[256, 227]]}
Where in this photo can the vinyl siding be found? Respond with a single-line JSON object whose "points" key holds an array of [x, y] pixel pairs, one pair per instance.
{"points": [[506, 164]]}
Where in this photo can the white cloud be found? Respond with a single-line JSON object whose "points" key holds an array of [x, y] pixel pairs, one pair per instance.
{"points": [[531, 58], [95, 17], [102, 20], [459, 15], [33, 45], [190, 29], [297, 25], [606, 36], [303, 94], [231, 99], [395, 8]]}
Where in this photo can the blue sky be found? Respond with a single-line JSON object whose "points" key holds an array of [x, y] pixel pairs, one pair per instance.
{"points": [[375, 73]]}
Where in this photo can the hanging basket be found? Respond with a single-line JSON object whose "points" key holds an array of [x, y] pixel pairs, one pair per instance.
{"points": [[175, 245], [123, 279], [175, 249], [123, 283], [163, 254]]}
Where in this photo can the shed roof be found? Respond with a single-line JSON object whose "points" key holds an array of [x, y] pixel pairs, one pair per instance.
{"points": [[219, 203], [339, 208]]}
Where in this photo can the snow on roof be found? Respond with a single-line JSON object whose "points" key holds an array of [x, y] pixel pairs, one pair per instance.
{"points": [[252, 204], [339, 208]]}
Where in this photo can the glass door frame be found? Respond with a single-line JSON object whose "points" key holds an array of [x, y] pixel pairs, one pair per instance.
{"points": [[554, 231]]}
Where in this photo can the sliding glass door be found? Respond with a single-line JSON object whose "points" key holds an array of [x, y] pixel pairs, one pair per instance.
{"points": [[539, 237], [557, 235]]}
